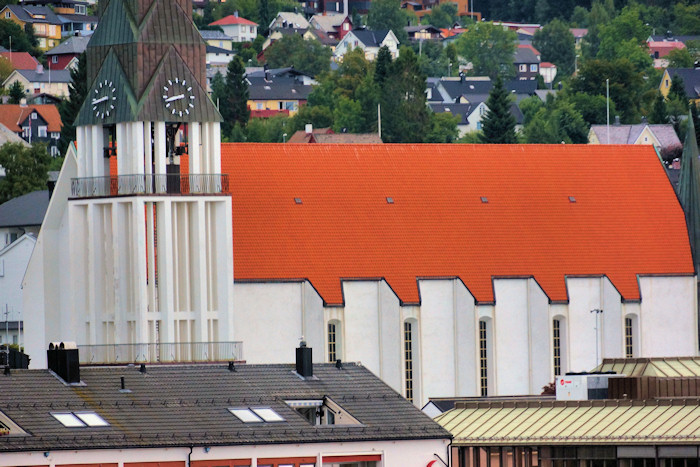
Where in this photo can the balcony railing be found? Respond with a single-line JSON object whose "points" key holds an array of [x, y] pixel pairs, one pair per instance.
{"points": [[141, 184], [161, 352]]}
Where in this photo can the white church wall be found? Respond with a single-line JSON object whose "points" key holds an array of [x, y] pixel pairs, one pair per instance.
{"points": [[612, 322], [268, 320], [362, 300], [584, 296], [511, 332], [559, 311], [465, 333], [540, 338], [390, 319], [314, 322], [13, 264], [668, 328]]}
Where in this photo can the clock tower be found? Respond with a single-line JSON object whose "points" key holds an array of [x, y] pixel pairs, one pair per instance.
{"points": [[145, 263]]}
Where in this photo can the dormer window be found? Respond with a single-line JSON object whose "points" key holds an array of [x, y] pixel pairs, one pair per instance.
{"points": [[320, 412], [79, 419]]}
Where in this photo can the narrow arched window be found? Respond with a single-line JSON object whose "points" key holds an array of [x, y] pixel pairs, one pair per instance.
{"points": [[408, 358], [629, 337], [556, 346], [483, 359], [334, 337]]}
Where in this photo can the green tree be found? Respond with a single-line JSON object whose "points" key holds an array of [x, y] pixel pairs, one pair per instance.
{"points": [[556, 43], [405, 116], [443, 128], [626, 85], [498, 124], [557, 122], [347, 117], [625, 37], [265, 17], [601, 13], [21, 41], [593, 108], [680, 58], [529, 107], [5, 69], [16, 92], [25, 169], [443, 15], [309, 57], [658, 114], [489, 48], [70, 107], [686, 18], [382, 65], [232, 96], [319, 116], [677, 89], [388, 14]]}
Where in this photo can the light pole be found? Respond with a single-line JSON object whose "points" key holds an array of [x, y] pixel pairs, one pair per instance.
{"points": [[597, 312]]}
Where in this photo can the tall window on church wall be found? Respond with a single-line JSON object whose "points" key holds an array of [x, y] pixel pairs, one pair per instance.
{"points": [[332, 343], [556, 346], [483, 359], [629, 336], [408, 358]]}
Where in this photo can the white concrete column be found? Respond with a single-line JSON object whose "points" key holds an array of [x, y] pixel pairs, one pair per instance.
{"points": [[137, 141], [195, 148], [82, 145], [159, 152], [224, 271], [198, 271], [138, 252], [96, 151], [119, 270], [93, 275], [215, 148], [206, 148], [150, 248], [122, 150], [166, 297], [148, 148]]}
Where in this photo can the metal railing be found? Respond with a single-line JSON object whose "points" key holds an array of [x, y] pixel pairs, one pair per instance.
{"points": [[161, 352], [143, 184]]}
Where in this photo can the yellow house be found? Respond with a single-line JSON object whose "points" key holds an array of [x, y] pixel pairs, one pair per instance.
{"points": [[691, 82], [662, 137], [46, 25]]}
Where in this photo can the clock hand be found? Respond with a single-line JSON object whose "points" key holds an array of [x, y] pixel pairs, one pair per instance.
{"points": [[175, 98], [101, 99]]}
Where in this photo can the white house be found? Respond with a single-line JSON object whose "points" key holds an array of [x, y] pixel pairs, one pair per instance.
{"points": [[13, 263], [369, 41], [237, 28]]}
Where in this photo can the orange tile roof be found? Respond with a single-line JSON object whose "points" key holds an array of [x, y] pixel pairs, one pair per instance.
{"points": [[231, 19], [12, 115], [625, 221]]}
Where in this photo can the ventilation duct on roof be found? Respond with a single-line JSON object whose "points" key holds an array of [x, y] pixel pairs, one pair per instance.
{"points": [[63, 360]]}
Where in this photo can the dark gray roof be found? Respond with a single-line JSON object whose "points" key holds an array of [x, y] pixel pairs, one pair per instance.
{"points": [[280, 87], [173, 405], [25, 13], [54, 76], [525, 55], [691, 80], [218, 50], [456, 88], [276, 72], [72, 45], [461, 110], [73, 18], [522, 86], [25, 210], [213, 34], [370, 38]]}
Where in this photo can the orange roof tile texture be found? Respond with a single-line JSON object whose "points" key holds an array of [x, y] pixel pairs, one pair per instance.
{"points": [[624, 219]]}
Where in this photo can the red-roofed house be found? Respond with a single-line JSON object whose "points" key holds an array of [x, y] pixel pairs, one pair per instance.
{"points": [[20, 60], [34, 123], [660, 49], [240, 29]]}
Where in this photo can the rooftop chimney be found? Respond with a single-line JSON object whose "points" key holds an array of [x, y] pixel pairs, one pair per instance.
{"points": [[304, 367], [63, 360], [617, 120]]}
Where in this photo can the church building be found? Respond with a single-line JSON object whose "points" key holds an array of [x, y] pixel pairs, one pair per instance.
{"points": [[446, 270]]}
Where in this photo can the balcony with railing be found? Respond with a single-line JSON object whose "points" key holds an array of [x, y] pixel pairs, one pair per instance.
{"points": [[180, 352], [149, 184]]}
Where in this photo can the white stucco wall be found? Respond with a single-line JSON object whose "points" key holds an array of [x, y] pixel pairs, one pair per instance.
{"points": [[13, 264]]}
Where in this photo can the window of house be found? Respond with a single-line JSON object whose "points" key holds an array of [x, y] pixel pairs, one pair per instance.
{"points": [[256, 415], [533, 67], [26, 131], [42, 131], [80, 9], [290, 106], [54, 59], [332, 343], [319, 412], [483, 359], [259, 106], [8, 15], [346, 27], [408, 358], [629, 336], [56, 135], [478, 125], [54, 151], [556, 346], [666, 83], [34, 115], [522, 67]]}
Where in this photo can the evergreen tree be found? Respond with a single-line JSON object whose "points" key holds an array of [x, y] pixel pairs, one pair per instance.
{"points": [[265, 17], [677, 90], [232, 97], [658, 113], [69, 108], [382, 65], [16, 92], [498, 124]]}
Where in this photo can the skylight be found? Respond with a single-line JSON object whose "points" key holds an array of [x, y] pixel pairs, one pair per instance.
{"points": [[91, 419], [256, 415], [79, 419], [268, 415]]}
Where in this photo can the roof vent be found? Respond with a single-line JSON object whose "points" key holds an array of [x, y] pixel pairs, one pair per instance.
{"points": [[484, 199], [231, 366], [389, 200], [142, 368], [297, 200], [572, 199], [339, 364]]}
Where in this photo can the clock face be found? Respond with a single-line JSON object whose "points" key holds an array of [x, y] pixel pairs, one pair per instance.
{"points": [[104, 99], [178, 97]]}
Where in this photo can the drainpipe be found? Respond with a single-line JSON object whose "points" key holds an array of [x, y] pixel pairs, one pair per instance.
{"points": [[189, 457]]}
